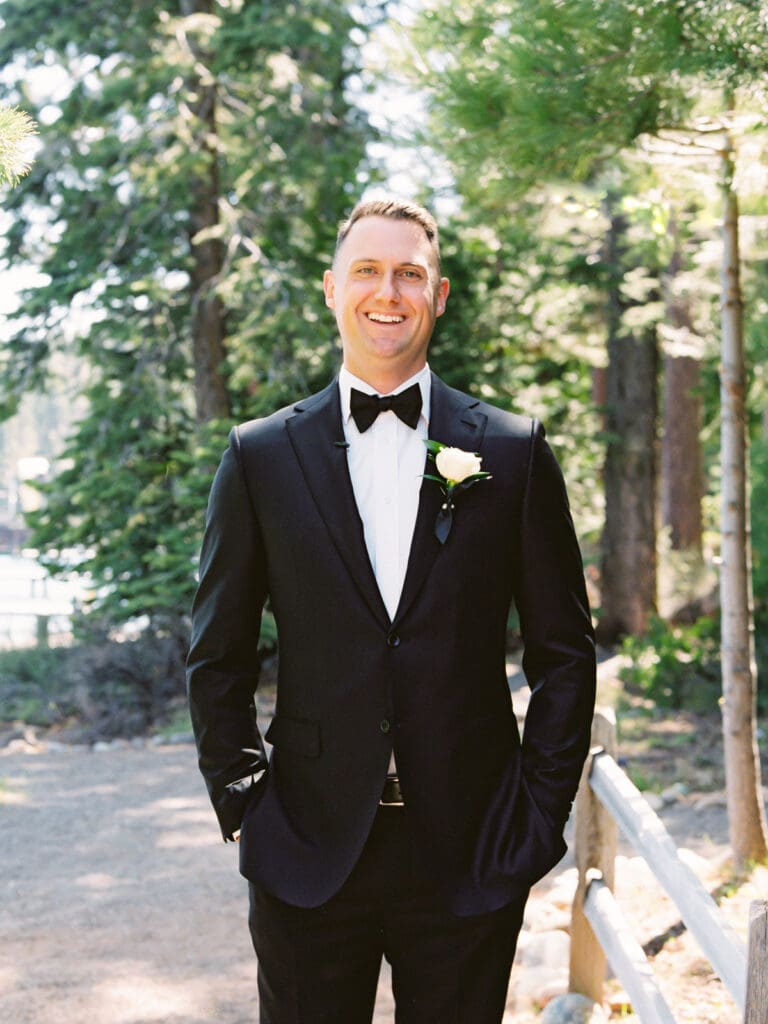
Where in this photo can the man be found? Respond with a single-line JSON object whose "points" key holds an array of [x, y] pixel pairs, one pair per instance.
{"points": [[399, 816]]}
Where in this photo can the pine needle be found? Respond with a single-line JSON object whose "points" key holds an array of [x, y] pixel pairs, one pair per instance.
{"points": [[16, 131]]}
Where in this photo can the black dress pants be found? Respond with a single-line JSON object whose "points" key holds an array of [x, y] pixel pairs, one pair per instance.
{"points": [[321, 966]]}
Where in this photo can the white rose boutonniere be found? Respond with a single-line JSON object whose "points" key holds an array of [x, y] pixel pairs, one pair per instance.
{"points": [[458, 470], [457, 465]]}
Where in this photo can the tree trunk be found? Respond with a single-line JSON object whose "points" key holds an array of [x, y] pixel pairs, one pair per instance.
{"points": [[628, 557], [211, 398], [682, 478], [746, 812], [682, 473]]}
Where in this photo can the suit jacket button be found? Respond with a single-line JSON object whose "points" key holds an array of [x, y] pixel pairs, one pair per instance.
{"points": [[393, 640], [384, 725]]}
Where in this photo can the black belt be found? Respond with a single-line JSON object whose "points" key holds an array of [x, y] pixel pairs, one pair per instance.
{"points": [[391, 795]]}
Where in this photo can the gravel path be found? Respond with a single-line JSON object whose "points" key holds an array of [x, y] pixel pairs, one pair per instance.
{"points": [[119, 904]]}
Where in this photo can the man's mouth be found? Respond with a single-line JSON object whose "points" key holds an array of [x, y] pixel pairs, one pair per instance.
{"points": [[385, 318]]}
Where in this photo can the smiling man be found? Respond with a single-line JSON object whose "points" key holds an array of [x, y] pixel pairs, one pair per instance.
{"points": [[400, 815], [386, 290]]}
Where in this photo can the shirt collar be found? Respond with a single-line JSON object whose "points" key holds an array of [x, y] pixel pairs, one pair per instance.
{"points": [[348, 380]]}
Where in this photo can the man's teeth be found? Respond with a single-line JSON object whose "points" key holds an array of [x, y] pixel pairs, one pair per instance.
{"points": [[382, 318]]}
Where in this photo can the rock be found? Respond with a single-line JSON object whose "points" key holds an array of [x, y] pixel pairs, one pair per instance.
{"points": [[537, 986], [172, 739], [545, 949], [24, 740], [542, 916], [541, 968], [7, 736], [101, 746], [716, 799], [563, 889], [20, 737], [179, 738], [572, 1008], [634, 871], [673, 793]]}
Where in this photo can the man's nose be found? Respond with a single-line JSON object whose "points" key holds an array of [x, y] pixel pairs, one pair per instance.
{"points": [[388, 286]]}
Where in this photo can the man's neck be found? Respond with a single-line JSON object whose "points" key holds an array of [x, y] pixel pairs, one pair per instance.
{"points": [[385, 383]]}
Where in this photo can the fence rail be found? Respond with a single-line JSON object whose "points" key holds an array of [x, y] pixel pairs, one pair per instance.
{"points": [[608, 800]]}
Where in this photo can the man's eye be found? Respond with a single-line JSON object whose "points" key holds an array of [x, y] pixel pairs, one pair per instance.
{"points": [[412, 275], [365, 270]]}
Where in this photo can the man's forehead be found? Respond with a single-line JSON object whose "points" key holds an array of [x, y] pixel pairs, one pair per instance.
{"points": [[379, 238]]}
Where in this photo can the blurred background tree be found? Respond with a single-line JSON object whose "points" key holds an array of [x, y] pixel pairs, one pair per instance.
{"points": [[528, 92], [180, 215]]}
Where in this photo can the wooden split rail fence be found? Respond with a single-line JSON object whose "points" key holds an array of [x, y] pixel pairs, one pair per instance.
{"points": [[607, 801]]}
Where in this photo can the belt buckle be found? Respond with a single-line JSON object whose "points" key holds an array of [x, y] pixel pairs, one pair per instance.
{"points": [[391, 794]]}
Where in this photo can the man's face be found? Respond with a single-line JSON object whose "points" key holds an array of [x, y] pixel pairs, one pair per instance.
{"points": [[385, 290]]}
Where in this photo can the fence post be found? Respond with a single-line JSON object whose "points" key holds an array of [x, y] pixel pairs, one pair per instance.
{"points": [[41, 630], [756, 1011], [594, 847]]}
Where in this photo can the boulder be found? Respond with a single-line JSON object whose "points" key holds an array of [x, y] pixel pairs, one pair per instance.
{"points": [[572, 1008]]}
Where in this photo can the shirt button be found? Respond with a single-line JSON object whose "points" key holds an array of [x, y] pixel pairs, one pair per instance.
{"points": [[384, 725], [393, 640]]}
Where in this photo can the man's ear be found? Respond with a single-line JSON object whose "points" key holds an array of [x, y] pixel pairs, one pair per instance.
{"points": [[441, 297], [329, 288]]}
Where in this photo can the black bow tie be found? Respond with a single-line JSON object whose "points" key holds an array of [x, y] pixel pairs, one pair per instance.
{"points": [[365, 408]]}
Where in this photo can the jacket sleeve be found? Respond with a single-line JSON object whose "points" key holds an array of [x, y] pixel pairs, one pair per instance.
{"points": [[223, 666], [559, 658]]}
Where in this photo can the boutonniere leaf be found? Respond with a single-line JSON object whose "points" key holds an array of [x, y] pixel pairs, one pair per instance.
{"points": [[457, 471]]}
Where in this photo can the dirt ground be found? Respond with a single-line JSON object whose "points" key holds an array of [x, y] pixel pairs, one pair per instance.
{"points": [[121, 905]]}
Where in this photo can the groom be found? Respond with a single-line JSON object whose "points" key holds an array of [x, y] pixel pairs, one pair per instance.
{"points": [[400, 814]]}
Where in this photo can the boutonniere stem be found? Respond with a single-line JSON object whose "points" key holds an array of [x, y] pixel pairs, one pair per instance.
{"points": [[457, 471]]}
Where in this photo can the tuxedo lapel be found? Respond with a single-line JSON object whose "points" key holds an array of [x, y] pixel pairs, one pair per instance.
{"points": [[454, 421], [317, 435]]}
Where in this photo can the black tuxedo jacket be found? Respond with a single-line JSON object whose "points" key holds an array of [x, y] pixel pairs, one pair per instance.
{"points": [[487, 811]]}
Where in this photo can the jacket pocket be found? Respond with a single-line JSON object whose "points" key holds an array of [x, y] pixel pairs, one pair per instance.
{"points": [[294, 735]]}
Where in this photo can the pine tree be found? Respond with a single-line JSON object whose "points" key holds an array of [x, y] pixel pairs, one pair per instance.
{"points": [[541, 90], [192, 171]]}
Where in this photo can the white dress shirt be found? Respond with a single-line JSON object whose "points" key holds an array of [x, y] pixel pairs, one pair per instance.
{"points": [[386, 464]]}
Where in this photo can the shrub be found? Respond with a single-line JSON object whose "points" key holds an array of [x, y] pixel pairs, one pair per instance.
{"points": [[676, 666], [111, 688]]}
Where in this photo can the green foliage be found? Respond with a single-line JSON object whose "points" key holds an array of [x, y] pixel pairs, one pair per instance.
{"points": [[126, 509], [100, 687], [527, 99], [759, 477], [676, 666], [522, 325], [30, 689], [759, 503], [226, 134], [543, 88]]}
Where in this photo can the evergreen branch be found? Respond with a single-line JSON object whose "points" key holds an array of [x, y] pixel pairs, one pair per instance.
{"points": [[16, 130]]}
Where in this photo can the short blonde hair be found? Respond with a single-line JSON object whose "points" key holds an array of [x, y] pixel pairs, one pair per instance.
{"points": [[396, 209]]}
